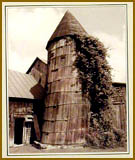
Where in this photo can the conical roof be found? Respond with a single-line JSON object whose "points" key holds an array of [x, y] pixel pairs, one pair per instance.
{"points": [[69, 25]]}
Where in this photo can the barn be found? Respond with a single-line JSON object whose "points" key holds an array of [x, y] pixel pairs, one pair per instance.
{"points": [[119, 103], [26, 105], [38, 70]]}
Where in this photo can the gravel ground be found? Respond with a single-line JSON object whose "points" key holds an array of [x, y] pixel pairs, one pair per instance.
{"points": [[31, 149]]}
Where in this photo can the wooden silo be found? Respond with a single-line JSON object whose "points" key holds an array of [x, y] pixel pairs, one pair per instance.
{"points": [[66, 109]]}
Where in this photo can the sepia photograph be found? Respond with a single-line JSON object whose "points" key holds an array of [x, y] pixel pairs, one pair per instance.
{"points": [[67, 79]]}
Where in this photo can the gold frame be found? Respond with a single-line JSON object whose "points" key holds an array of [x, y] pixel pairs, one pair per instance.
{"points": [[2, 62]]}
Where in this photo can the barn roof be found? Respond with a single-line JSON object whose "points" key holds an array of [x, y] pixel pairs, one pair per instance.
{"points": [[20, 85], [69, 25]]}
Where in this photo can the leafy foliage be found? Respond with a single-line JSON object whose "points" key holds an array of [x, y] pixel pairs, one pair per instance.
{"points": [[95, 77]]}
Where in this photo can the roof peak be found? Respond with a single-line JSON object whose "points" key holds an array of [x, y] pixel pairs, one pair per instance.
{"points": [[33, 63], [68, 25], [67, 11]]}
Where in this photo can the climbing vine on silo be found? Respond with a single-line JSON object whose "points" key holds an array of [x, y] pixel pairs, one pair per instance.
{"points": [[95, 77]]}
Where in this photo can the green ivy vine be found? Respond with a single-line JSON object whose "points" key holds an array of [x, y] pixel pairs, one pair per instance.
{"points": [[95, 77]]}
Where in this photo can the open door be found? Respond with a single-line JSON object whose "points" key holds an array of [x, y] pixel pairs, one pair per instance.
{"points": [[18, 130]]}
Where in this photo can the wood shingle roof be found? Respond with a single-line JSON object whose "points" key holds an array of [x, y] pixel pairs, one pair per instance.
{"points": [[69, 25]]}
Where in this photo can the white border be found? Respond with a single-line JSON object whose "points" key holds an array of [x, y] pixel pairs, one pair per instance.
{"points": [[130, 71]]}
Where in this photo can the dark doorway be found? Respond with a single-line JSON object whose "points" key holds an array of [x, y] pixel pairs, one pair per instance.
{"points": [[18, 130], [33, 134]]}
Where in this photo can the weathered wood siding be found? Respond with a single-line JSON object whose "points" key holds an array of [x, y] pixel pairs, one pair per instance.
{"points": [[119, 103], [18, 110], [66, 109], [39, 72]]}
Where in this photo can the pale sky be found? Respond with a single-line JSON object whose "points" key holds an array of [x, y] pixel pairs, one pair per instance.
{"points": [[29, 29]]}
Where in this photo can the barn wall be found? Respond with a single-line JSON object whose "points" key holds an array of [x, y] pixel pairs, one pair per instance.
{"points": [[19, 110], [119, 103], [66, 109], [39, 72]]}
